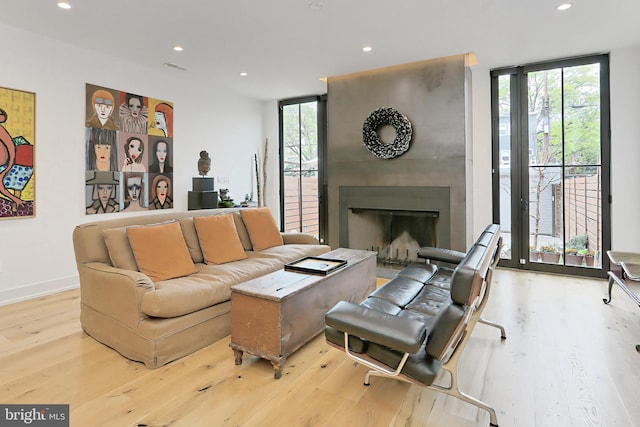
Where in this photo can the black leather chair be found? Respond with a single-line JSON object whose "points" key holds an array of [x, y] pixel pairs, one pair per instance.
{"points": [[418, 324]]}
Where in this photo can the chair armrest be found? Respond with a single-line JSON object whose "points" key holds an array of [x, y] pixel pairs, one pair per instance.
{"points": [[440, 254], [401, 334], [298, 239]]}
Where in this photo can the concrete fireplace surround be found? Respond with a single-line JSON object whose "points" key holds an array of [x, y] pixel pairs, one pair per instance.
{"points": [[434, 173]]}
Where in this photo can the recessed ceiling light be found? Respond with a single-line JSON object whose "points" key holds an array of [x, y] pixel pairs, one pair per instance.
{"points": [[367, 49], [178, 48], [64, 5], [243, 74], [316, 5], [563, 6]]}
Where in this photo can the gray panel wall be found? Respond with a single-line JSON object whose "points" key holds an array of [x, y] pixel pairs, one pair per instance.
{"points": [[432, 96]]}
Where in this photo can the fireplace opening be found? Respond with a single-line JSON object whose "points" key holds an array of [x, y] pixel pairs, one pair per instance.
{"points": [[395, 234]]}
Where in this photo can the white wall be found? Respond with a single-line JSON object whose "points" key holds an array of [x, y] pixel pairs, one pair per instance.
{"points": [[270, 129], [481, 128], [36, 255], [625, 148]]}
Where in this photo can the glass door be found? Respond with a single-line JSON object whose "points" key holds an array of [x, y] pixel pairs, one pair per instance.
{"points": [[551, 169], [301, 131]]}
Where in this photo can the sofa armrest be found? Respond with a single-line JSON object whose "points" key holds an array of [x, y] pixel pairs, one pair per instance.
{"points": [[299, 239], [401, 334], [114, 292], [441, 254]]}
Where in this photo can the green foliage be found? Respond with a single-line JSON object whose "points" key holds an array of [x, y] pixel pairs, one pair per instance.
{"points": [[578, 242], [550, 249], [567, 105], [300, 135], [504, 102]]}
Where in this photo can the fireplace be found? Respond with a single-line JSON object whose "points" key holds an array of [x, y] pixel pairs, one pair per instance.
{"points": [[433, 175], [394, 221], [394, 234]]}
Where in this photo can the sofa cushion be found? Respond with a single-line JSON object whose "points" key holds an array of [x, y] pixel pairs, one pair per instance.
{"points": [[160, 251], [119, 248], [242, 231], [191, 239], [262, 228], [289, 253], [184, 295], [243, 270], [219, 239]]}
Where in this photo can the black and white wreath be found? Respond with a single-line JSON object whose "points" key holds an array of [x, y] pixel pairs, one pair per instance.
{"points": [[386, 116]]}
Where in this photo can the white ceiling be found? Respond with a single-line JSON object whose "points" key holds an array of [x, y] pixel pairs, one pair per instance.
{"points": [[286, 46]]}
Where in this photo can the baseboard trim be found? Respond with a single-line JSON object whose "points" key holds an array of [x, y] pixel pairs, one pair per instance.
{"points": [[36, 290]]}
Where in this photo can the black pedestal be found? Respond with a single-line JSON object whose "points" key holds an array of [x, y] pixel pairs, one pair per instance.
{"points": [[202, 183], [203, 199]]}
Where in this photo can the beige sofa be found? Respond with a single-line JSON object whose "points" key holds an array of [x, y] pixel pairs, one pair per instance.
{"points": [[158, 322]]}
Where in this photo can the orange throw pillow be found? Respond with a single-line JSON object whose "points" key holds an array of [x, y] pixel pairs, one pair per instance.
{"points": [[262, 228], [219, 239], [160, 251]]}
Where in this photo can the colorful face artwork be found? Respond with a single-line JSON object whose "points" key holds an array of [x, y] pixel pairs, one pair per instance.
{"points": [[135, 146], [134, 196], [161, 193], [17, 142]]}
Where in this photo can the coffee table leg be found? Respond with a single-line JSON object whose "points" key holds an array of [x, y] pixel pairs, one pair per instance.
{"points": [[238, 355], [277, 370]]}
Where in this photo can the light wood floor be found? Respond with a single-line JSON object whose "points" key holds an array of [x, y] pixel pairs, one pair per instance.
{"points": [[569, 360]]}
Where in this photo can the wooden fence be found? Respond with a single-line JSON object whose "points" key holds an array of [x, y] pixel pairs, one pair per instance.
{"points": [[301, 215], [582, 207]]}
